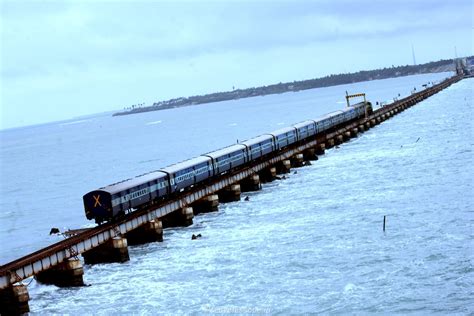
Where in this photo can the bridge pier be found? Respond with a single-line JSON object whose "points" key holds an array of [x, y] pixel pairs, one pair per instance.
{"points": [[354, 132], [14, 300], [149, 232], [320, 149], [339, 139], [284, 166], [207, 204], [179, 218], [268, 174], [68, 273], [361, 128], [297, 161], [310, 154], [367, 125], [330, 143], [251, 183], [114, 250], [346, 136], [230, 194]]}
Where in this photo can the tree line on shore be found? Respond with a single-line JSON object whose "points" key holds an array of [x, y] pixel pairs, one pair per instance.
{"points": [[330, 80]]}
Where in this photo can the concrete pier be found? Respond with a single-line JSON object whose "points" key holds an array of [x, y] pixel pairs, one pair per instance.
{"points": [[268, 174], [251, 183], [230, 194], [354, 132], [14, 300], [114, 250], [330, 143], [339, 139], [310, 154], [320, 149], [297, 160], [179, 218], [346, 135], [149, 232], [283, 167], [207, 204], [361, 128], [65, 274]]}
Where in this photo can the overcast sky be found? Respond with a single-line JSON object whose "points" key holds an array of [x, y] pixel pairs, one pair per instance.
{"points": [[62, 59]]}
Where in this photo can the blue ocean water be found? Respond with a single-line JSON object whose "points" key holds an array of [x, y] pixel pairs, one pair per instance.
{"points": [[310, 244]]}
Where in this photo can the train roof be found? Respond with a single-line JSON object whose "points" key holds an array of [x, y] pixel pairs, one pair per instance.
{"points": [[334, 113], [282, 131], [226, 150], [327, 115], [185, 164], [258, 139], [133, 182], [303, 124], [361, 104]]}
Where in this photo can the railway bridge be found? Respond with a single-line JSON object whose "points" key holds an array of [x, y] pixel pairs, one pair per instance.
{"points": [[60, 263]]}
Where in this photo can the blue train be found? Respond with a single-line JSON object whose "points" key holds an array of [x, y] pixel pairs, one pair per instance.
{"points": [[109, 202]]}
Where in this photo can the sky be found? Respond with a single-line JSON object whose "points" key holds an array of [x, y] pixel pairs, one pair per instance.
{"points": [[65, 59]]}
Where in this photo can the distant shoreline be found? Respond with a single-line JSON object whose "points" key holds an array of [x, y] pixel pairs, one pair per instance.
{"points": [[331, 80]]}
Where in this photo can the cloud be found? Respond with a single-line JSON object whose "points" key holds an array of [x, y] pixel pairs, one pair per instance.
{"points": [[79, 35], [67, 48]]}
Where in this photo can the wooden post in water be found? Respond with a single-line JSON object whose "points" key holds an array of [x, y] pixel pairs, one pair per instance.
{"points": [[384, 222]]}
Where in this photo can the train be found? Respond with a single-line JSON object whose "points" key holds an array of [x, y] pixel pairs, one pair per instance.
{"points": [[115, 200]]}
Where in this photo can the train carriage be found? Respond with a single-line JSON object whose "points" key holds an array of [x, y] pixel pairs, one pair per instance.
{"points": [[227, 158], [325, 122], [110, 201], [305, 129], [284, 137], [259, 146], [350, 113], [188, 172]]}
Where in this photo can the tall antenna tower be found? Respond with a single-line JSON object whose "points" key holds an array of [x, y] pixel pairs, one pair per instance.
{"points": [[413, 54]]}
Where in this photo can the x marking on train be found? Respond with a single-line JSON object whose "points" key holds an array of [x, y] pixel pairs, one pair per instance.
{"points": [[97, 202]]}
